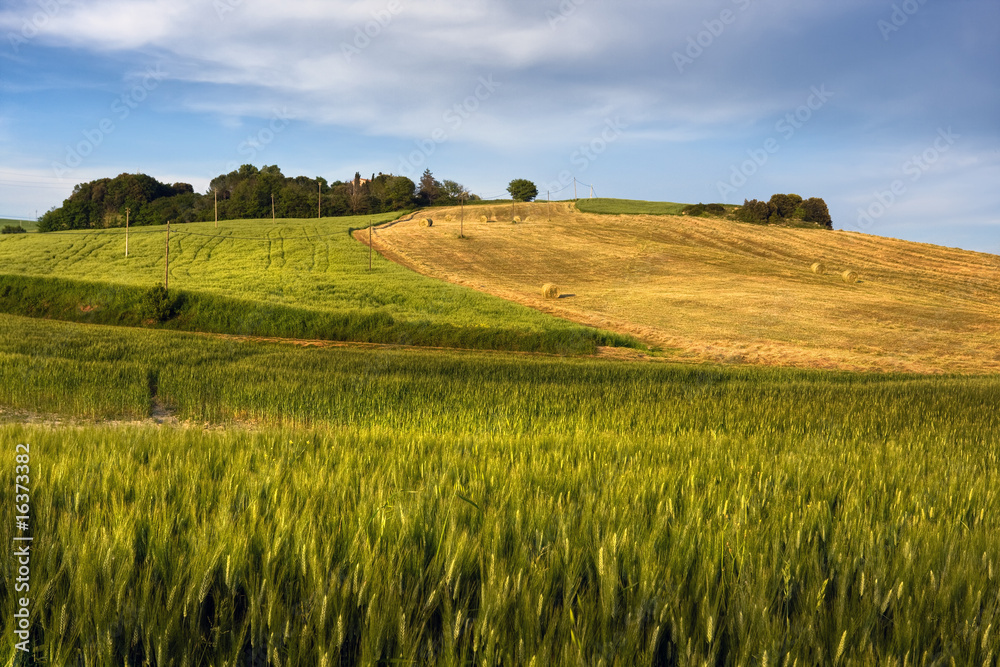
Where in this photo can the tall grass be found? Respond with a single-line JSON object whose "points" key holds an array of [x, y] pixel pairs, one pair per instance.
{"points": [[477, 508], [365, 544]]}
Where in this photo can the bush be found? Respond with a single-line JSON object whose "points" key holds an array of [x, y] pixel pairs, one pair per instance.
{"points": [[815, 210], [158, 305], [700, 209], [754, 211], [13, 229]]}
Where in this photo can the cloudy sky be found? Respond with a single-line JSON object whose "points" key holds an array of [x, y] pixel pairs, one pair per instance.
{"points": [[888, 110]]}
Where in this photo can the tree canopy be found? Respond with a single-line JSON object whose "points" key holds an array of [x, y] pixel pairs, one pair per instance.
{"points": [[521, 189]]}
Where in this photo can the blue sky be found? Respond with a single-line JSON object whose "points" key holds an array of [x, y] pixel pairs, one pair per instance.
{"points": [[890, 111]]}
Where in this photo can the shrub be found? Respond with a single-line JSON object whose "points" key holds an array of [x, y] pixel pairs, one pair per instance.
{"points": [[754, 211], [715, 209], [13, 229], [158, 305], [694, 209], [815, 210]]}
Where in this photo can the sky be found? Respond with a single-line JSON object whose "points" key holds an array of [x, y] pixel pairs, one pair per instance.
{"points": [[888, 110]]}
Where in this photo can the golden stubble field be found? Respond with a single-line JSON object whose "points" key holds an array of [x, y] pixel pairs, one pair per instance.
{"points": [[713, 290]]}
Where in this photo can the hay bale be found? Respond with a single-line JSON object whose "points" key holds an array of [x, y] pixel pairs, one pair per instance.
{"points": [[426, 222], [849, 277], [819, 268], [516, 219], [550, 291], [483, 218]]}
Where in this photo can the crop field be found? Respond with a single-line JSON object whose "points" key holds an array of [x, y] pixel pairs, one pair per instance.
{"points": [[367, 506], [628, 207], [292, 278], [708, 289]]}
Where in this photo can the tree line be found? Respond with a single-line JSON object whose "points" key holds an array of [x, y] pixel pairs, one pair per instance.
{"points": [[245, 193]]}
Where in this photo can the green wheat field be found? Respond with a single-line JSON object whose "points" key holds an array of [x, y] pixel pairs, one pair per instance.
{"points": [[203, 498]]}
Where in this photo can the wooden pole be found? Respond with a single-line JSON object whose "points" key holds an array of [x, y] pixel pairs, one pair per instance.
{"points": [[548, 206], [216, 193], [272, 207], [166, 270], [461, 223], [319, 199], [370, 247], [575, 198], [127, 211], [591, 191]]}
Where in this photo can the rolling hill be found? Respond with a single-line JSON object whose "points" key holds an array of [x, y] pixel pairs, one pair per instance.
{"points": [[707, 289]]}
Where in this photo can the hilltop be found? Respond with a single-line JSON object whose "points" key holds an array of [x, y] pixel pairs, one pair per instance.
{"points": [[711, 289]]}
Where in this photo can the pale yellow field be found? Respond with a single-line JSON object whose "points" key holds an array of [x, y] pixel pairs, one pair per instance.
{"points": [[714, 290]]}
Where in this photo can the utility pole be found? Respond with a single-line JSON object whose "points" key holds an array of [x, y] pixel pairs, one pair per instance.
{"points": [[575, 198], [548, 206], [272, 207], [319, 199], [461, 222], [126, 231], [370, 246], [166, 270], [591, 191], [216, 193]]}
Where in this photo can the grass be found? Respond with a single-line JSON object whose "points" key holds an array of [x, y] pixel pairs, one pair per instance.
{"points": [[445, 508], [28, 225], [299, 278], [628, 207], [721, 291]]}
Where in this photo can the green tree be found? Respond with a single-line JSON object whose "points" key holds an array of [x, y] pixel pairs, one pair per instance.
{"points": [[754, 211], [521, 189], [783, 206], [430, 189], [815, 210]]}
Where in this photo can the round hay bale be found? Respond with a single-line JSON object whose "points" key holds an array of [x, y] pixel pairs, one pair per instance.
{"points": [[426, 222], [550, 291], [483, 218], [849, 277], [819, 268], [516, 219]]}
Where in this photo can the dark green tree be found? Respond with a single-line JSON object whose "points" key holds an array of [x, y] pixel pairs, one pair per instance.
{"points": [[521, 189], [754, 211], [815, 210], [783, 206]]}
